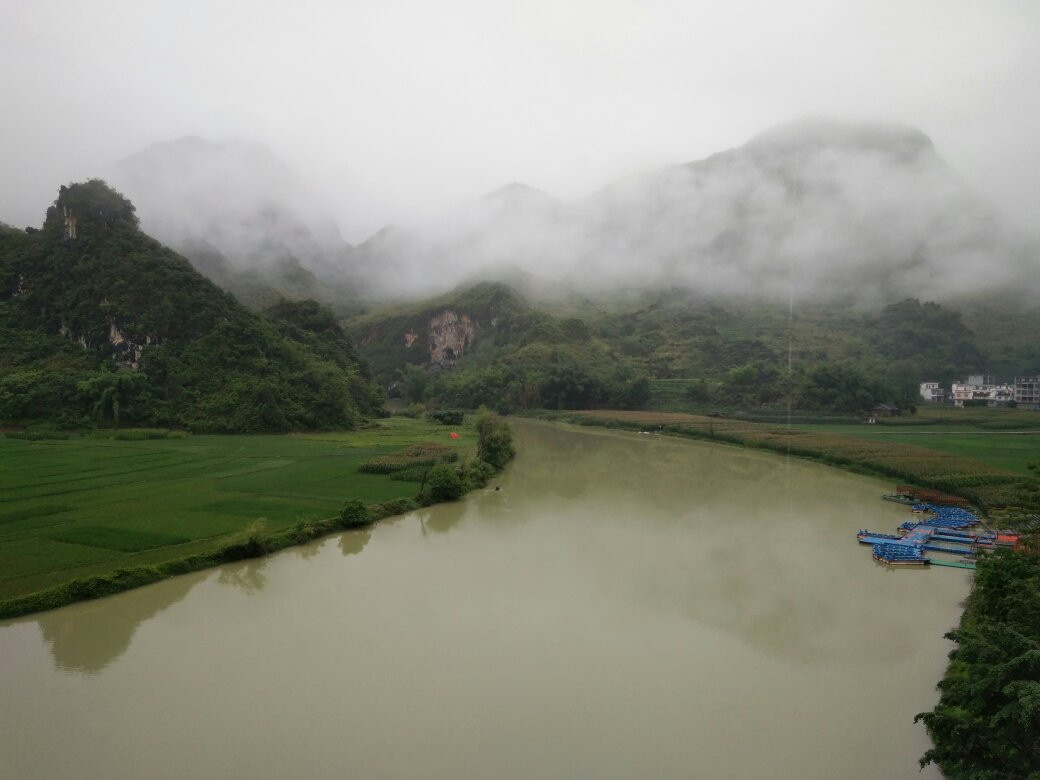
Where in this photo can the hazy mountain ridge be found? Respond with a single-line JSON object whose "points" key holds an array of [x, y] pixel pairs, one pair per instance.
{"points": [[242, 216], [818, 209]]}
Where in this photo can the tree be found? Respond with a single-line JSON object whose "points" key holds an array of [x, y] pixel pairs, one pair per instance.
{"points": [[494, 440], [445, 483]]}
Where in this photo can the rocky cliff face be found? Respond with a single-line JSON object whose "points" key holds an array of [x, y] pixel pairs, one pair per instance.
{"points": [[449, 334], [436, 334]]}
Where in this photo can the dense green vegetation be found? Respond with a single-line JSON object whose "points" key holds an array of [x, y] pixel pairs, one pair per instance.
{"points": [[986, 725], [101, 325], [678, 351], [518, 357], [79, 508]]}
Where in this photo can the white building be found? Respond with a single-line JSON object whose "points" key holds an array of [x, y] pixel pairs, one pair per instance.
{"points": [[962, 391], [933, 391], [981, 387]]}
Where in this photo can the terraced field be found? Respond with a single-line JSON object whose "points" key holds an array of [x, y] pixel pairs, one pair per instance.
{"points": [[88, 505]]}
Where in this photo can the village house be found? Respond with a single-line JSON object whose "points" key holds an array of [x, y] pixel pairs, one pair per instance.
{"points": [[933, 391], [1027, 392], [981, 388]]}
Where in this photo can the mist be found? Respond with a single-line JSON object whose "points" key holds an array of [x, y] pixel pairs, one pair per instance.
{"points": [[374, 143], [820, 210]]}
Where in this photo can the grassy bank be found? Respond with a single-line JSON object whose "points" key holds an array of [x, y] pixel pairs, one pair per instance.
{"points": [[84, 516], [1008, 450]]}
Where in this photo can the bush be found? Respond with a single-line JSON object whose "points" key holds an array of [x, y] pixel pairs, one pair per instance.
{"points": [[445, 483], [478, 473], [36, 435], [354, 514], [397, 506], [447, 416]]}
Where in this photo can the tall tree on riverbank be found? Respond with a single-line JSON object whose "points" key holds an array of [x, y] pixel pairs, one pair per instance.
{"points": [[494, 440], [987, 722]]}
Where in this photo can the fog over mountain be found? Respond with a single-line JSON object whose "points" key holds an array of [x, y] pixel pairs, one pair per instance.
{"points": [[236, 197], [610, 116], [817, 209]]}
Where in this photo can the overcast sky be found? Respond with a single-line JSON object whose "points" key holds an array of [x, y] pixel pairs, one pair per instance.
{"points": [[392, 110]]}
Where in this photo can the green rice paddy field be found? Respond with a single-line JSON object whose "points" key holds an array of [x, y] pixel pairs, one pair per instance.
{"points": [[91, 505], [1004, 449]]}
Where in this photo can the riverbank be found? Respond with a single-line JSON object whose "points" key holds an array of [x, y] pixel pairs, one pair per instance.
{"points": [[987, 721], [84, 517]]}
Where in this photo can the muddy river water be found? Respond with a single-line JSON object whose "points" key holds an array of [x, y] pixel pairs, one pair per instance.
{"points": [[625, 606]]}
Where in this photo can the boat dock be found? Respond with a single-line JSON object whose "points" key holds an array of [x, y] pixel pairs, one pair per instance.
{"points": [[944, 530]]}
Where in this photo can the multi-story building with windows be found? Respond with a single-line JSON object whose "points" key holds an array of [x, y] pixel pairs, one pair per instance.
{"points": [[1027, 392]]}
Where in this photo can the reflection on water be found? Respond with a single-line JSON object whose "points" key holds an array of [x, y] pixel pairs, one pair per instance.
{"points": [[625, 606], [353, 542], [246, 575], [443, 518], [88, 637]]}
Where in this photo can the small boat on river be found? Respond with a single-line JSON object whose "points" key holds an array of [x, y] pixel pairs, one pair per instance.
{"points": [[900, 498]]}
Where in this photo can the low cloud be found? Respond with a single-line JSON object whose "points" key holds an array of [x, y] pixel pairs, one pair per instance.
{"points": [[818, 210]]}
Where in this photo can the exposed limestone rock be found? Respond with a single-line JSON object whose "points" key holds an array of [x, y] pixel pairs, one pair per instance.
{"points": [[449, 335], [410, 337], [128, 351], [70, 224]]}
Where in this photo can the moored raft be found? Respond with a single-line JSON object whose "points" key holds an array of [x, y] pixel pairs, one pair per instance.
{"points": [[899, 555], [944, 524], [945, 516]]}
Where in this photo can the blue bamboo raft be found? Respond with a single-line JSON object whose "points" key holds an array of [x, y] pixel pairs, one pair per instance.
{"points": [[944, 524]]}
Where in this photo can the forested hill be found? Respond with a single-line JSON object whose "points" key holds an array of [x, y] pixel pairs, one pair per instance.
{"points": [[682, 349], [101, 324]]}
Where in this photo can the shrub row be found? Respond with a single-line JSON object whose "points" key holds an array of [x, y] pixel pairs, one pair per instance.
{"points": [[37, 435]]}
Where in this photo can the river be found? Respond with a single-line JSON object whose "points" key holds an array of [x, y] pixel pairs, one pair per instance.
{"points": [[625, 606]]}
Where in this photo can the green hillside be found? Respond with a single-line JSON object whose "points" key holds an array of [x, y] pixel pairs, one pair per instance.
{"points": [[677, 349], [487, 344], [101, 324]]}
